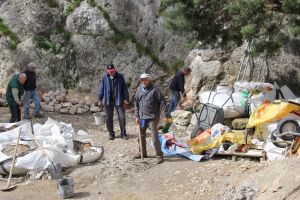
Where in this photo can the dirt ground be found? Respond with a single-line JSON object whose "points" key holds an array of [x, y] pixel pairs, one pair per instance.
{"points": [[118, 176]]}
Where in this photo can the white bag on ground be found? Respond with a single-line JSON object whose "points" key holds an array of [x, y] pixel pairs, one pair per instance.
{"points": [[235, 106], [273, 152]]}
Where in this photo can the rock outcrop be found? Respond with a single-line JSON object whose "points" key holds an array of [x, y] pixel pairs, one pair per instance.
{"points": [[72, 50]]}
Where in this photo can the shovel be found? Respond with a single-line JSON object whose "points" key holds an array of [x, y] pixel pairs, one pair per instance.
{"points": [[140, 142], [8, 186], [53, 169]]}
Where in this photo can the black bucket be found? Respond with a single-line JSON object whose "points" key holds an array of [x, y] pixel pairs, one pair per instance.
{"points": [[65, 188]]}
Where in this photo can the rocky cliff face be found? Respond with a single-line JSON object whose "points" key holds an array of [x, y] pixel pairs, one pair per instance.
{"points": [[72, 48]]}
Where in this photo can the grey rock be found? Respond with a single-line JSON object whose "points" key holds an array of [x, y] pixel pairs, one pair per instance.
{"points": [[87, 20], [74, 101], [194, 120], [181, 118], [73, 110], [61, 99], [64, 110], [201, 71], [94, 109], [3, 102], [67, 105], [240, 123], [81, 110], [48, 108], [57, 107]]}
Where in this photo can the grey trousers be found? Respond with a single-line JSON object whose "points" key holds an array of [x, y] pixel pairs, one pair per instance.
{"points": [[153, 123], [110, 116]]}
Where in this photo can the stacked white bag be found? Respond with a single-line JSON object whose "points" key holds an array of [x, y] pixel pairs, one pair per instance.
{"points": [[234, 104]]}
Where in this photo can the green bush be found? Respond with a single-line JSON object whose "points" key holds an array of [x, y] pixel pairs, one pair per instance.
{"points": [[295, 30], [227, 24], [42, 42], [72, 6], [14, 39]]}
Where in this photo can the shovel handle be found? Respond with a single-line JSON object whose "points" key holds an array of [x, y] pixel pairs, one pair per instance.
{"points": [[14, 160], [140, 141], [39, 145]]}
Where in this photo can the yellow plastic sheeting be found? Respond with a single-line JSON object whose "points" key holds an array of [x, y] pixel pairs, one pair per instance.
{"points": [[235, 137], [271, 112]]}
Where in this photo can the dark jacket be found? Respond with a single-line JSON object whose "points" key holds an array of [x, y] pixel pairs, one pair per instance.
{"points": [[120, 90], [177, 83], [148, 102], [14, 83], [30, 83]]}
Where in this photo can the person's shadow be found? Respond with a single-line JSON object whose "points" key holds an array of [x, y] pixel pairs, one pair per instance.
{"points": [[80, 195]]}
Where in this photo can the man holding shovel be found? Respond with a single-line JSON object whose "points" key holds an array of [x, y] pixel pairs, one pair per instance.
{"points": [[148, 102], [114, 91], [15, 90], [177, 88]]}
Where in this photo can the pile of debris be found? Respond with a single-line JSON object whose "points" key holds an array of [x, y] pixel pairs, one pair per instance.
{"points": [[59, 101], [41, 145], [251, 119]]}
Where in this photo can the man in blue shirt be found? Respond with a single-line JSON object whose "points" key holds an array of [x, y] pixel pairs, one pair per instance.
{"points": [[114, 91]]}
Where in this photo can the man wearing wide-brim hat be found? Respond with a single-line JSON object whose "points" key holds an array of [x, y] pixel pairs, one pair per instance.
{"points": [[148, 102]]}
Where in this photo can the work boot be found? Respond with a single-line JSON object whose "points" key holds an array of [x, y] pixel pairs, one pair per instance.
{"points": [[124, 137], [38, 115], [111, 137], [138, 156], [159, 160]]}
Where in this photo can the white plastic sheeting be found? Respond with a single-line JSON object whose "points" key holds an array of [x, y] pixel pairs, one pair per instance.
{"points": [[233, 108], [55, 137]]}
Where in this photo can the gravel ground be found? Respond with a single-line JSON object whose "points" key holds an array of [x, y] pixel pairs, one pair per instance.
{"points": [[118, 176]]}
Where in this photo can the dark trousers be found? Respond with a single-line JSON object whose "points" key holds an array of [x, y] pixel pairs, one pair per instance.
{"points": [[15, 114], [110, 116], [153, 123]]}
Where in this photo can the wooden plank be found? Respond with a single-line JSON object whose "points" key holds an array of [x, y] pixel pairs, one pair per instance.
{"points": [[249, 154]]}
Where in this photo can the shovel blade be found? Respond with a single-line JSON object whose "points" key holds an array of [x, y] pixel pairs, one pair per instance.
{"points": [[10, 188], [55, 171]]}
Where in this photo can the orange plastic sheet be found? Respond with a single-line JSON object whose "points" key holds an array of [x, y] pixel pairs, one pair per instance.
{"points": [[272, 112]]}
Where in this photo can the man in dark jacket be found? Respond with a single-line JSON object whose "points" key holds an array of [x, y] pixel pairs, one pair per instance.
{"points": [[148, 102], [177, 87], [114, 91], [13, 96], [31, 92]]}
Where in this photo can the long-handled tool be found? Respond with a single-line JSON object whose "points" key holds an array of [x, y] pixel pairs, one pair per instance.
{"points": [[141, 146], [8, 186], [54, 170], [140, 141]]}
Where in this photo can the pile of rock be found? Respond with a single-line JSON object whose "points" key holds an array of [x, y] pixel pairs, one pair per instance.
{"points": [[182, 120], [186, 121], [59, 101], [3, 102]]}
